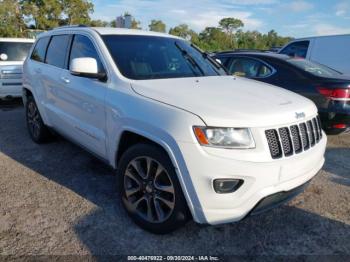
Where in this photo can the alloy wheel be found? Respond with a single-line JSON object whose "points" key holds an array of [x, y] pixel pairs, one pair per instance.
{"points": [[33, 119], [149, 190]]}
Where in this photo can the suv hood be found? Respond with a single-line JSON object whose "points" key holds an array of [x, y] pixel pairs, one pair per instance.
{"points": [[228, 101]]}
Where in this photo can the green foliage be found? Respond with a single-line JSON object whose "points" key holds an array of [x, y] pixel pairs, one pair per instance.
{"points": [[136, 24], [11, 22], [229, 36], [184, 31], [230, 24], [157, 26], [46, 14], [99, 23], [77, 11]]}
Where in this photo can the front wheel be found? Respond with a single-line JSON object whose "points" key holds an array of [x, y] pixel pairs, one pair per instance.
{"points": [[150, 189]]}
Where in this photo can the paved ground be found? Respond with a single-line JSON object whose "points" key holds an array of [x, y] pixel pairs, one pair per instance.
{"points": [[56, 199]]}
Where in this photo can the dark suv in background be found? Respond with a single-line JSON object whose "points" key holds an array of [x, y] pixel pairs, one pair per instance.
{"points": [[327, 88]]}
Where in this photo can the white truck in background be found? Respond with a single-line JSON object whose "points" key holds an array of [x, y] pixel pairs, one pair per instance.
{"points": [[332, 51], [13, 51]]}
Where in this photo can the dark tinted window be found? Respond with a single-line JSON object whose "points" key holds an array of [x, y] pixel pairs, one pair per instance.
{"points": [[40, 49], [314, 68], [296, 49], [83, 47], [223, 60], [56, 52], [15, 51], [151, 57], [248, 67]]}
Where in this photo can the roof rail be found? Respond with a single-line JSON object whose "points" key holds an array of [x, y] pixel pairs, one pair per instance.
{"points": [[242, 50], [70, 26]]}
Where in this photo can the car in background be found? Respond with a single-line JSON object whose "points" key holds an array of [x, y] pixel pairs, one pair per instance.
{"points": [[13, 51], [332, 51], [327, 88]]}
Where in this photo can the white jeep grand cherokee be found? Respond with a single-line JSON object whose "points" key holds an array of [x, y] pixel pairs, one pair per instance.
{"points": [[186, 139]]}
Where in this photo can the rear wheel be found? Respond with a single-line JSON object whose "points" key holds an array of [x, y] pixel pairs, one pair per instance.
{"points": [[36, 127], [150, 189]]}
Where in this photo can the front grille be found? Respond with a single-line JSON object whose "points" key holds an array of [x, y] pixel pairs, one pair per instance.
{"points": [[286, 141], [274, 144]]}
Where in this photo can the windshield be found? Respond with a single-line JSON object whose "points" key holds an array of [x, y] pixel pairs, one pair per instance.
{"points": [[151, 57], [314, 68], [15, 51]]}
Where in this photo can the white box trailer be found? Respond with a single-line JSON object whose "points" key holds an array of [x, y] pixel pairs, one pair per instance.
{"points": [[332, 51]]}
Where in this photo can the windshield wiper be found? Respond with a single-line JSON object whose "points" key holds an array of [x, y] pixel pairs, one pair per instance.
{"points": [[210, 59], [189, 58]]}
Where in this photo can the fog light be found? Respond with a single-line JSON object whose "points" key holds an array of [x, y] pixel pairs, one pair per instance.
{"points": [[224, 186]]}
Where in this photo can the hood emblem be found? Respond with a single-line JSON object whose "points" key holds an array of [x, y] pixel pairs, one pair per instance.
{"points": [[299, 115]]}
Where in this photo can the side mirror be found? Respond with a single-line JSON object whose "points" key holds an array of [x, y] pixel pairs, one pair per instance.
{"points": [[3, 57], [86, 67], [218, 60]]}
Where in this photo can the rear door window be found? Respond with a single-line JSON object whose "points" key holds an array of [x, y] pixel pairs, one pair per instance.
{"points": [[296, 49], [56, 52], [39, 51], [249, 67]]}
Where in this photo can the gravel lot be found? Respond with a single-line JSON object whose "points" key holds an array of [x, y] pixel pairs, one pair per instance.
{"points": [[56, 199]]}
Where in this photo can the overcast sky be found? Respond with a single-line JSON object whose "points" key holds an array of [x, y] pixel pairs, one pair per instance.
{"points": [[290, 18]]}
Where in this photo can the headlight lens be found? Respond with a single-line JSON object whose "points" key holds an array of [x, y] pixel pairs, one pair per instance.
{"points": [[226, 137]]}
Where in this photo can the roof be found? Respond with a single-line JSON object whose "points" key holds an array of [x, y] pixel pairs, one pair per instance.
{"points": [[18, 40], [261, 54], [321, 36], [113, 31]]}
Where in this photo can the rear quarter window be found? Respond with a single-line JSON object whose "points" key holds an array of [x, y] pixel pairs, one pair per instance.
{"points": [[39, 51]]}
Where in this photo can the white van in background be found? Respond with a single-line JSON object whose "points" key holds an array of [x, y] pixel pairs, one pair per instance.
{"points": [[332, 51], [13, 52]]}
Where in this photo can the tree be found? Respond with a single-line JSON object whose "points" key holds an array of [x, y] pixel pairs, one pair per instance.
{"points": [[184, 31], [77, 11], [229, 25], [157, 26], [135, 24], [98, 23], [45, 14], [11, 20], [213, 39]]}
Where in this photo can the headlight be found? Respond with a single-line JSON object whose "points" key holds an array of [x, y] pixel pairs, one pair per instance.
{"points": [[226, 137]]}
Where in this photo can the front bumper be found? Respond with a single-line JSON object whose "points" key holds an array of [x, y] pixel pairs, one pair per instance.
{"points": [[277, 199], [261, 179]]}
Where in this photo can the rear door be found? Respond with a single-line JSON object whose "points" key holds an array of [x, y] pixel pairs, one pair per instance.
{"points": [[83, 99], [49, 76]]}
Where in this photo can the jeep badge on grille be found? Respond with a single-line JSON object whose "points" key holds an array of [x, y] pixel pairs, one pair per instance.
{"points": [[299, 115]]}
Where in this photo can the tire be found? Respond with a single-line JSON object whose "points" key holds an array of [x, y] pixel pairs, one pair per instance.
{"points": [[38, 132], [150, 190]]}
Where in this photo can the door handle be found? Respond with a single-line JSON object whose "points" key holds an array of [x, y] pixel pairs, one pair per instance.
{"points": [[37, 70], [65, 80]]}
